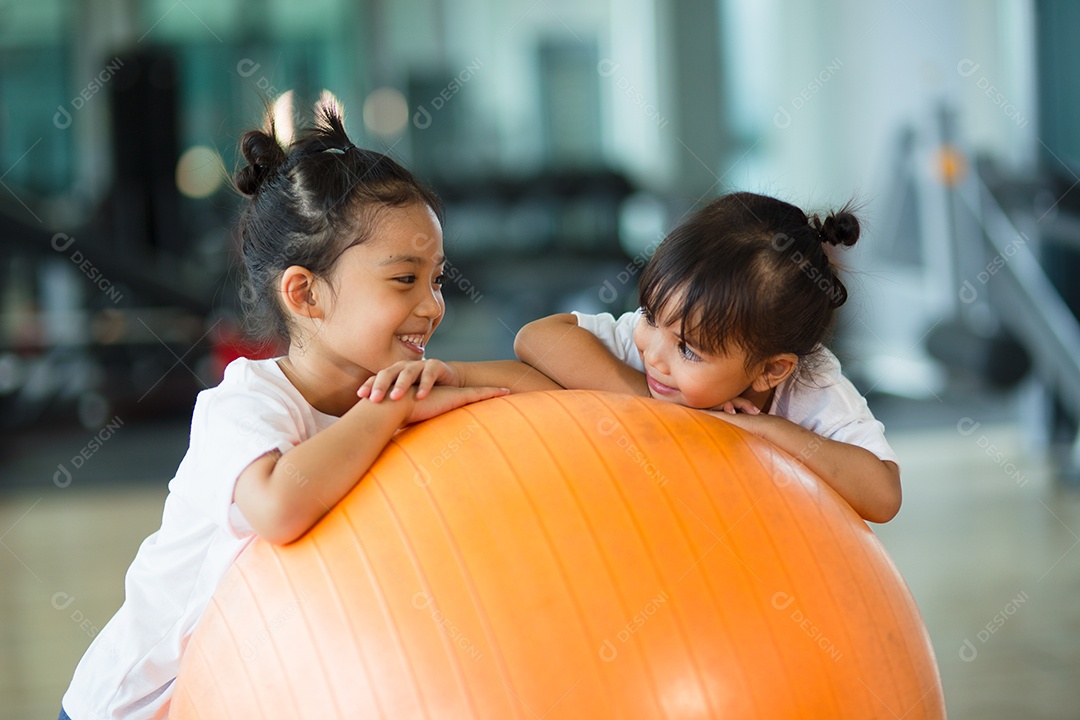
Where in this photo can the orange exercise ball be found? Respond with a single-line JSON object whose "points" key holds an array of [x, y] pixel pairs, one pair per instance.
{"points": [[569, 555]]}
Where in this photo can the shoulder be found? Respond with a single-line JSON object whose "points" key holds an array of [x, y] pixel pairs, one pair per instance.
{"points": [[260, 376], [245, 371], [617, 334], [606, 321], [250, 413], [254, 384]]}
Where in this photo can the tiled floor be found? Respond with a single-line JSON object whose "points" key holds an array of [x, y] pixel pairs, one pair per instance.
{"points": [[986, 542]]}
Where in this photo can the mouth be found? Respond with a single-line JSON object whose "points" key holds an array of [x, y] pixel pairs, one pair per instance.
{"points": [[413, 343], [658, 387]]}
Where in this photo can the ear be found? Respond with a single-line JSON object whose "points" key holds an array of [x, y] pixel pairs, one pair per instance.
{"points": [[774, 371], [299, 294]]}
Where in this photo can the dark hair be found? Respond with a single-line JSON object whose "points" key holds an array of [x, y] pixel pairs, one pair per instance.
{"points": [[752, 272], [310, 201]]}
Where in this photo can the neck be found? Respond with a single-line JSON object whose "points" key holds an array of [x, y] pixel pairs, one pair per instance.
{"points": [[326, 388]]}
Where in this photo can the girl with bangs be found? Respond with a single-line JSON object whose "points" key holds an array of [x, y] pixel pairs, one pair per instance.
{"points": [[343, 266], [735, 305]]}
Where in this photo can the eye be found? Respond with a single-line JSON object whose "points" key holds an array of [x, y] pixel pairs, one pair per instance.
{"points": [[440, 280], [406, 279], [688, 353]]}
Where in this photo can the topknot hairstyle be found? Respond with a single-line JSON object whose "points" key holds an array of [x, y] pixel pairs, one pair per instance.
{"points": [[750, 271], [310, 200]]}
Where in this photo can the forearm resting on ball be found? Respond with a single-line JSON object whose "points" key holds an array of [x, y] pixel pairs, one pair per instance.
{"points": [[515, 376], [573, 357], [869, 484]]}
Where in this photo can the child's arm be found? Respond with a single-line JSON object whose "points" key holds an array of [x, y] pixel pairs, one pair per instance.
{"points": [[870, 485], [511, 374], [284, 495], [574, 357], [393, 381]]}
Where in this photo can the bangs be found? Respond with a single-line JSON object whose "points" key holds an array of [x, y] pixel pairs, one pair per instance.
{"points": [[748, 274], [710, 315]]}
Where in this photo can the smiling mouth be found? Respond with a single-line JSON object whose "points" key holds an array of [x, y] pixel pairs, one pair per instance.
{"points": [[658, 387], [414, 343]]}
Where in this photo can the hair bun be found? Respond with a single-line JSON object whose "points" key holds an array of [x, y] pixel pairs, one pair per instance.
{"points": [[264, 155], [839, 228]]}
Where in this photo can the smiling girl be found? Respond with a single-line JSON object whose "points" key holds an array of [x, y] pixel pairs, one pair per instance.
{"points": [[343, 254]]}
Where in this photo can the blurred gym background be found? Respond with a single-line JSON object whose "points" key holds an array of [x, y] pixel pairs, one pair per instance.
{"points": [[566, 138]]}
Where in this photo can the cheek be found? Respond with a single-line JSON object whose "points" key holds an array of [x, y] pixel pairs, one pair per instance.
{"points": [[730, 382], [705, 382], [694, 382]]}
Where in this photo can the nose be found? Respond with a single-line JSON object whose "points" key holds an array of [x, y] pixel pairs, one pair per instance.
{"points": [[431, 305]]}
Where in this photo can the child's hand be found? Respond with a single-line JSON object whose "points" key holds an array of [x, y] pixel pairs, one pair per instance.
{"points": [[400, 376], [738, 404], [444, 399]]}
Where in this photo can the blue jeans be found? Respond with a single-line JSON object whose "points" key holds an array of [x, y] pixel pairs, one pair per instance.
{"points": [[63, 715]]}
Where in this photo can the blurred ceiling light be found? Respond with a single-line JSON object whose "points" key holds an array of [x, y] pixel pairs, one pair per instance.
{"points": [[385, 112], [950, 165], [284, 126], [200, 172]]}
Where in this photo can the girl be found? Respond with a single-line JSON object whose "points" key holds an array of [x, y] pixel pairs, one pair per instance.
{"points": [[343, 255], [734, 305]]}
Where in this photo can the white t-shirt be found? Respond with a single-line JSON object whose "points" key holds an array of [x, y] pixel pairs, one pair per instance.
{"points": [[129, 669], [825, 402]]}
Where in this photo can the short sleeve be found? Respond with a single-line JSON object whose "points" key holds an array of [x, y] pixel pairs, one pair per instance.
{"points": [[230, 429], [617, 335], [860, 427]]}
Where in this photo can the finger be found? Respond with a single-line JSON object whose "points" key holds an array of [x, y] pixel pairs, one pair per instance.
{"points": [[404, 381], [365, 389], [377, 391], [369, 389], [383, 380], [746, 406], [433, 372]]}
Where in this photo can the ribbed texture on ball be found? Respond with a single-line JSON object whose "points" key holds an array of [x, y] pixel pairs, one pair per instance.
{"points": [[569, 555]]}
